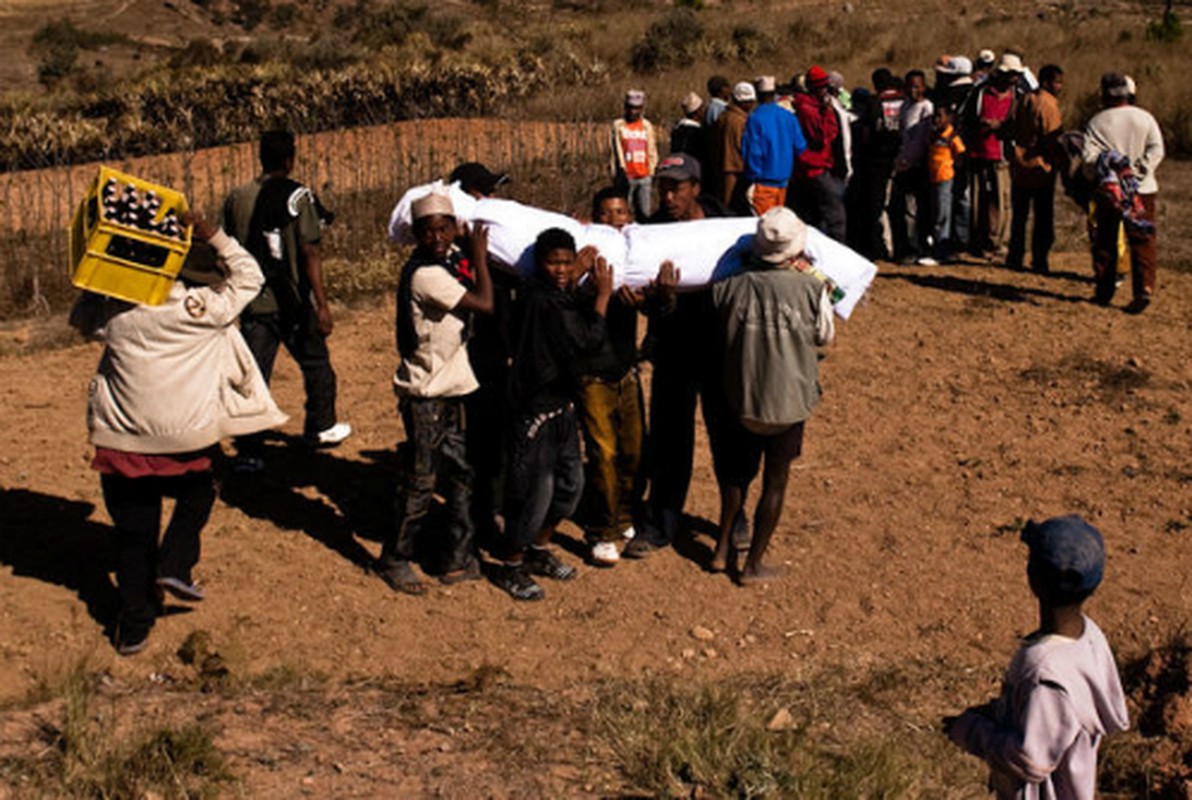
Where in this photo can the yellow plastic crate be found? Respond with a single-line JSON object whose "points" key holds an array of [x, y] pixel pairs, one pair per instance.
{"points": [[120, 255]]}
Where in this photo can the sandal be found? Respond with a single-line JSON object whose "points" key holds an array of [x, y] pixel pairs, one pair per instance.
{"points": [[540, 561], [400, 577], [517, 582]]}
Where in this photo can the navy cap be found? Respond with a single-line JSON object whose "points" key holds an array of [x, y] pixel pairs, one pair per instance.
{"points": [[1069, 553]]}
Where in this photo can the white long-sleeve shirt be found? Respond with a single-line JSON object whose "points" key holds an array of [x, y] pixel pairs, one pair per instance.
{"points": [[1060, 697]]}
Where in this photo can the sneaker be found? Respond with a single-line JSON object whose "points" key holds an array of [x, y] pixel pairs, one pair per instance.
{"points": [[640, 547], [540, 561], [248, 465], [604, 554], [515, 580], [181, 589], [926, 261], [130, 639], [331, 436]]}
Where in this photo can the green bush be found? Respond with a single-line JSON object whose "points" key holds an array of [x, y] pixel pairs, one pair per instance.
{"points": [[1167, 28], [673, 41]]}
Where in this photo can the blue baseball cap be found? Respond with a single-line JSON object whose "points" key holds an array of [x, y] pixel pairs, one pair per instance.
{"points": [[1068, 554]]}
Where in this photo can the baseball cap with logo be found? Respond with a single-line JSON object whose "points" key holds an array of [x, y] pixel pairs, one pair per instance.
{"points": [[679, 167]]}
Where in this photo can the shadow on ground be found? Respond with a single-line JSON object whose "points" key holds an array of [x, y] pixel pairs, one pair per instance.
{"points": [[53, 540], [980, 288], [332, 500]]}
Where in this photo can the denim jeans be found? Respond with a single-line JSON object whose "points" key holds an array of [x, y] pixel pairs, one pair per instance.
{"points": [[641, 197], [613, 426], [433, 458], [134, 504], [546, 475], [941, 229], [820, 202]]}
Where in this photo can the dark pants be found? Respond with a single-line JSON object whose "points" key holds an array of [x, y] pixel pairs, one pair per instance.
{"points": [[1105, 252], [1043, 236], [678, 382], [819, 201], [308, 346], [870, 234], [614, 426], [134, 505], [487, 430], [546, 475], [910, 213], [432, 459]]}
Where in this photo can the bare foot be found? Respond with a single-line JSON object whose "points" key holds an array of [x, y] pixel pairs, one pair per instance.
{"points": [[719, 562], [756, 576]]}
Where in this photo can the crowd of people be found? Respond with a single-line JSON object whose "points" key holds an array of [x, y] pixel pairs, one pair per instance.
{"points": [[922, 169], [521, 400]]}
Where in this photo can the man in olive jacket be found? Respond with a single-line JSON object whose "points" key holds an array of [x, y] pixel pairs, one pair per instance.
{"points": [[773, 316]]}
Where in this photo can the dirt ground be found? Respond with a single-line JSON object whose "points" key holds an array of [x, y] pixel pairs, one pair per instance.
{"points": [[959, 401]]}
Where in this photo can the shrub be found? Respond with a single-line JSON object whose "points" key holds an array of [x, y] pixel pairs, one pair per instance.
{"points": [[1167, 28], [283, 16], [673, 41], [250, 13], [749, 43]]}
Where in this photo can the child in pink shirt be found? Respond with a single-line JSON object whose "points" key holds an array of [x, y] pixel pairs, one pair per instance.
{"points": [[1061, 693]]}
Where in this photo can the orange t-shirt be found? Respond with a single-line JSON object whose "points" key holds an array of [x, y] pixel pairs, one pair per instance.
{"points": [[941, 155], [635, 146]]}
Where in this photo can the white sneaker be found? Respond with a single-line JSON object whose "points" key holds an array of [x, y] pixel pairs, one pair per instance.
{"points": [[333, 435], [604, 554], [628, 533], [926, 261]]}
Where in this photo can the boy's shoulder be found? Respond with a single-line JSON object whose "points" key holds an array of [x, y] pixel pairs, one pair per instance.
{"points": [[1051, 658]]}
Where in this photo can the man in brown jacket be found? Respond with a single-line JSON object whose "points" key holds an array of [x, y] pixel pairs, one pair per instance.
{"points": [[725, 161], [1037, 126]]}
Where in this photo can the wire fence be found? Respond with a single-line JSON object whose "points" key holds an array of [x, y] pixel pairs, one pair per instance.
{"points": [[359, 173]]}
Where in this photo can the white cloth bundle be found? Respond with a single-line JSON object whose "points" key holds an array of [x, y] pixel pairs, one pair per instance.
{"points": [[703, 251], [401, 221], [713, 249]]}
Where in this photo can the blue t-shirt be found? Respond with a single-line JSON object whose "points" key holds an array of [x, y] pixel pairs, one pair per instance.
{"points": [[772, 141]]}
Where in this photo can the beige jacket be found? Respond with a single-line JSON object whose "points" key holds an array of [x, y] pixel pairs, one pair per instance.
{"points": [[179, 376]]}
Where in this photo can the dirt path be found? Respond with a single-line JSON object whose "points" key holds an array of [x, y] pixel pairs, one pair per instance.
{"points": [[958, 401]]}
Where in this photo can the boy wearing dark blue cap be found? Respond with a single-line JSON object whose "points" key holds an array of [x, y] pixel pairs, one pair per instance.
{"points": [[1061, 693]]}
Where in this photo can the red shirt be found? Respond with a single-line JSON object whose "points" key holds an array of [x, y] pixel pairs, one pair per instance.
{"points": [[139, 465], [994, 107]]}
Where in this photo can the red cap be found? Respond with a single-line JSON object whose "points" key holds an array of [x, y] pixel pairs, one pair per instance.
{"points": [[816, 77]]}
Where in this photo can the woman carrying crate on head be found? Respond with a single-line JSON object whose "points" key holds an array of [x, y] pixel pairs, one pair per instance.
{"points": [[173, 380]]}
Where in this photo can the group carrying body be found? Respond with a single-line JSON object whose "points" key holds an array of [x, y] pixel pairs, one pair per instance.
{"points": [[500, 380]]}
